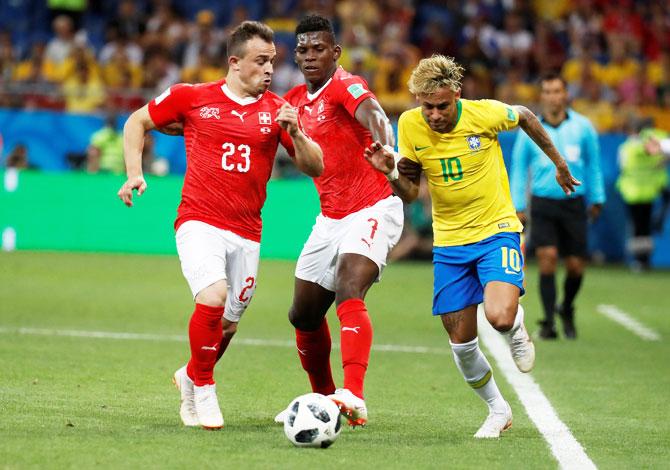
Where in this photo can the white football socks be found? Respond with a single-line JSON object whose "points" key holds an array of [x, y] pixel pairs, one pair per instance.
{"points": [[477, 373]]}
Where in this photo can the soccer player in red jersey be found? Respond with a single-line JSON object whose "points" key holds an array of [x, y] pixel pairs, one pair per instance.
{"points": [[232, 129], [360, 220]]}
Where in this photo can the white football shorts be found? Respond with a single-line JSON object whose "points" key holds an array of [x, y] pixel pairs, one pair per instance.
{"points": [[209, 254], [371, 232]]}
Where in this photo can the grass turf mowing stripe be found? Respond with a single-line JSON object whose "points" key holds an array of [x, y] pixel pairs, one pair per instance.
{"points": [[566, 449], [617, 315], [182, 338]]}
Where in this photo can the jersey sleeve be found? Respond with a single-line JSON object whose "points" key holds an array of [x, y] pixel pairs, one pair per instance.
{"points": [[500, 116], [405, 148], [352, 92], [171, 105]]}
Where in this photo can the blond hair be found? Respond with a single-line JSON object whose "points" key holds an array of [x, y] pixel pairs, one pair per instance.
{"points": [[434, 73]]}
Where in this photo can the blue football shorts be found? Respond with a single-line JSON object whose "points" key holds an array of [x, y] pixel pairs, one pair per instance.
{"points": [[462, 272]]}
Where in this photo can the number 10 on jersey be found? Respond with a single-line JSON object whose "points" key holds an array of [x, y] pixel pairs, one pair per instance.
{"points": [[229, 150]]}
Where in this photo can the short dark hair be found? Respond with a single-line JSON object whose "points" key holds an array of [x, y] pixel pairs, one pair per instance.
{"points": [[314, 24], [553, 75], [246, 31]]}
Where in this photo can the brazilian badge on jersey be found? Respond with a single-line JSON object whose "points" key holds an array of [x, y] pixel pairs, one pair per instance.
{"points": [[474, 142]]}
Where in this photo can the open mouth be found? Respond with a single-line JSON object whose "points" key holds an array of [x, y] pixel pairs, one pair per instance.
{"points": [[310, 68]]}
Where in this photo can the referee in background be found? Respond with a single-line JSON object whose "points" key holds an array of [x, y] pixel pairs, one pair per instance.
{"points": [[559, 222]]}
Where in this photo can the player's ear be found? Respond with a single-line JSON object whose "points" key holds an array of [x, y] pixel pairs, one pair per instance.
{"points": [[233, 63], [458, 94], [337, 52]]}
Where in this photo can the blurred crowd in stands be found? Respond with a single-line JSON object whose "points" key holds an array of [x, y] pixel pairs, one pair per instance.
{"points": [[99, 55]]}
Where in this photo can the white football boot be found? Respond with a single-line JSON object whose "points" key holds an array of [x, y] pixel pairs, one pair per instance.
{"points": [[522, 347], [351, 407], [495, 424], [207, 407], [184, 384]]}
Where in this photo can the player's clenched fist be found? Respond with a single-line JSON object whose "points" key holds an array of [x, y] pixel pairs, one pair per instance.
{"points": [[287, 117], [126, 191]]}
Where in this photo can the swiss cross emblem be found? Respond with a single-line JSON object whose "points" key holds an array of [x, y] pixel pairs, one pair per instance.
{"points": [[264, 118]]}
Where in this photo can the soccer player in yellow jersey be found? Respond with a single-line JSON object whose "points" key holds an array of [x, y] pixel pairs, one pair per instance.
{"points": [[476, 256]]}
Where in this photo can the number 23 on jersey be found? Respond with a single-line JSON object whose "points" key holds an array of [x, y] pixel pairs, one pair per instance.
{"points": [[229, 154]]}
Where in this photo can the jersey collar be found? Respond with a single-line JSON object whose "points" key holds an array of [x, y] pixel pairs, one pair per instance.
{"points": [[313, 96], [459, 109], [241, 101], [567, 116]]}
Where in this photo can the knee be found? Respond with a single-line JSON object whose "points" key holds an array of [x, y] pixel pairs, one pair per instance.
{"points": [[501, 317], [547, 259], [302, 321], [212, 296], [348, 288]]}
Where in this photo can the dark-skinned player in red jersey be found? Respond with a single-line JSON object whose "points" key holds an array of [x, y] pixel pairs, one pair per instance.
{"points": [[360, 220], [232, 128]]}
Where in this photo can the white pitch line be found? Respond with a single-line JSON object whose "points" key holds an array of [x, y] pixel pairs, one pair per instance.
{"points": [[183, 339], [566, 449], [617, 315]]}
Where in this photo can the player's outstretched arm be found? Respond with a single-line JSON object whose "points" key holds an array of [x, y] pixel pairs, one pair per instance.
{"points": [[383, 158], [532, 126], [136, 126], [308, 154], [371, 116]]}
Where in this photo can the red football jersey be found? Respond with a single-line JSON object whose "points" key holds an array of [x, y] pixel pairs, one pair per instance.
{"points": [[230, 148], [348, 182]]}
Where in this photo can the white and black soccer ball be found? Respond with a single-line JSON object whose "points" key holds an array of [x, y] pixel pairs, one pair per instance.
{"points": [[312, 420]]}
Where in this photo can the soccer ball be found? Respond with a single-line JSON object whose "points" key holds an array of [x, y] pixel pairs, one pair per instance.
{"points": [[312, 420]]}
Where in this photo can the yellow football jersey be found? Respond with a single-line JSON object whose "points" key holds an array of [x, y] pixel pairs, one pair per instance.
{"points": [[466, 174]]}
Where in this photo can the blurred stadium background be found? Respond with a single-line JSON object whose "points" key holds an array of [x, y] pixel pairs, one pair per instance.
{"points": [[71, 70], [69, 66]]}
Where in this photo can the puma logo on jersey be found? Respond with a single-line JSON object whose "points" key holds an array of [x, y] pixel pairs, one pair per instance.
{"points": [[206, 113], [303, 352], [351, 328], [241, 116], [309, 109], [366, 242], [209, 348]]}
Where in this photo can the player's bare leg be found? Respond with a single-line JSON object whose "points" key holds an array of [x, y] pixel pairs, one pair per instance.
{"points": [[462, 328], [505, 314], [355, 274], [206, 333]]}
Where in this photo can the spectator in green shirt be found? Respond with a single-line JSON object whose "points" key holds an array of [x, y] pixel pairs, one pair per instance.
{"points": [[105, 151]]}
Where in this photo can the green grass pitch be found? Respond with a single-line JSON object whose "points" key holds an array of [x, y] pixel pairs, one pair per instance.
{"points": [[90, 402]]}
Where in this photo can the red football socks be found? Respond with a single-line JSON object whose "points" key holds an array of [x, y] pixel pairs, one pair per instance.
{"points": [[314, 352], [205, 332], [355, 342]]}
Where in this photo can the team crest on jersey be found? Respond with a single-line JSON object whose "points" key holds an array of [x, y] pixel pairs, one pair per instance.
{"points": [[474, 142], [207, 112], [264, 118], [265, 130], [319, 111]]}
